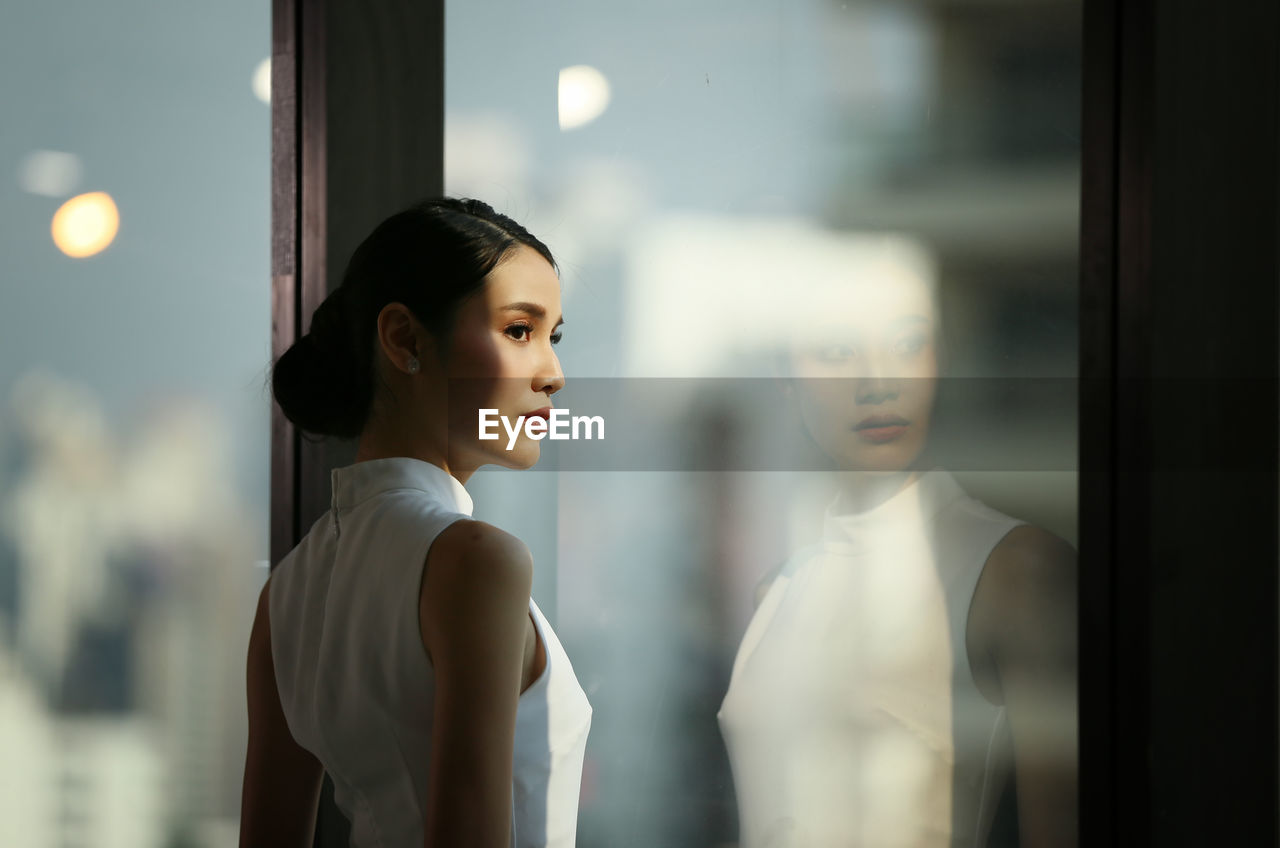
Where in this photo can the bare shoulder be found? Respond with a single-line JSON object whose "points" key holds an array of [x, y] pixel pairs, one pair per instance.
{"points": [[264, 598], [263, 697], [473, 573], [785, 568], [1029, 562], [475, 550], [261, 664], [1023, 612], [260, 633], [766, 583]]}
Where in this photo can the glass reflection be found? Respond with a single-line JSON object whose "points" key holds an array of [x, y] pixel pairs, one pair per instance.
{"points": [[898, 673], [741, 154]]}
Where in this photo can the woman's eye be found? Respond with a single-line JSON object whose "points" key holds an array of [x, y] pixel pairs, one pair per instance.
{"points": [[912, 344], [524, 333], [519, 332]]}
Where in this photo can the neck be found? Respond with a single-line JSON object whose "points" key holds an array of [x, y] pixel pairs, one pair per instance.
{"points": [[373, 446], [866, 490]]}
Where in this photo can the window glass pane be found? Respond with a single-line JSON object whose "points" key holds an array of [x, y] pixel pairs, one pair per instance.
{"points": [[134, 418], [775, 222]]}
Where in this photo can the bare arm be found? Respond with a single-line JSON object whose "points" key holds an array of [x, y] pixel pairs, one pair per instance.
{"points": [[766, 583], [282, 779], [762, 588], [1024, 613], [473, 609]]}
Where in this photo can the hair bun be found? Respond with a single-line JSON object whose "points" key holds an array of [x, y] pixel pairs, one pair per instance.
{"points": [[315, 388]]}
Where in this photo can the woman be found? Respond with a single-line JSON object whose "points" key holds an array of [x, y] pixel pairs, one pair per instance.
{"points": [[897, 673], [397, 646]]}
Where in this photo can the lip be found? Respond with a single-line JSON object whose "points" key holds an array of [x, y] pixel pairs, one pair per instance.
{"points": [[879, 435], [544, 413], [879, 429], [876, 422]]}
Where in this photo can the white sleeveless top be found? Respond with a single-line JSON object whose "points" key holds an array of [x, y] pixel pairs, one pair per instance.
{"points": [[852, 718], [354, 678]]}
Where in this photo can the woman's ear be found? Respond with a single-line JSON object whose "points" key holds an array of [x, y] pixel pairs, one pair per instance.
{"points": [[403, 338]]}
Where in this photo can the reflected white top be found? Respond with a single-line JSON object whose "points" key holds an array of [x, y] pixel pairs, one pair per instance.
{"points": [[852, 717], [354, 678]]}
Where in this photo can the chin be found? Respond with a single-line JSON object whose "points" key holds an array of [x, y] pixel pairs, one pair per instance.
{"points": [[518, 459], [522, 457], [525, 464]]}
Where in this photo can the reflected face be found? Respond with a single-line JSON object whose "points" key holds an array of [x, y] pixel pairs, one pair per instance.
{"points": [[501, 357], [866, 379]]}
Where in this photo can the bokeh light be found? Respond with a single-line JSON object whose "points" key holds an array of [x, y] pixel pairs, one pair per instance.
{"points": [[584, 95], [86, 224], [51, 173], [262, 80]]}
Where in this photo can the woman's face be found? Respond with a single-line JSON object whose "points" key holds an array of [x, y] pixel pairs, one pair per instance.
{"points": [[866, 378], [501, 357]]}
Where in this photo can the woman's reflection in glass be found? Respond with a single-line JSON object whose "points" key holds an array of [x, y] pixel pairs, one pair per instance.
{"points": [[900, 674]]}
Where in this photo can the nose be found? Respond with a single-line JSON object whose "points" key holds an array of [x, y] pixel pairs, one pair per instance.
{"points": [[549, 378], [878, 382]]}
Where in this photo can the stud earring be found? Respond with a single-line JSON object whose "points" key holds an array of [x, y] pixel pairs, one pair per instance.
{"points": [[413, 365]]}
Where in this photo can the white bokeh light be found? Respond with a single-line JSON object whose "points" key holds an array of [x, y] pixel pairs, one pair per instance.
{"points": [[584, 95], [262, 80], [486, 155], [51, 173]]}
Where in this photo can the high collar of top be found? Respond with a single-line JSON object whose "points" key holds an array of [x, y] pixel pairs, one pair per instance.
{"points": [[357, 482], [910, 510]]}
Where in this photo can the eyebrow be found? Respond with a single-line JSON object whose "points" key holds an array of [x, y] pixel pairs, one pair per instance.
{"points": [[531, 309], [838, 329]]}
